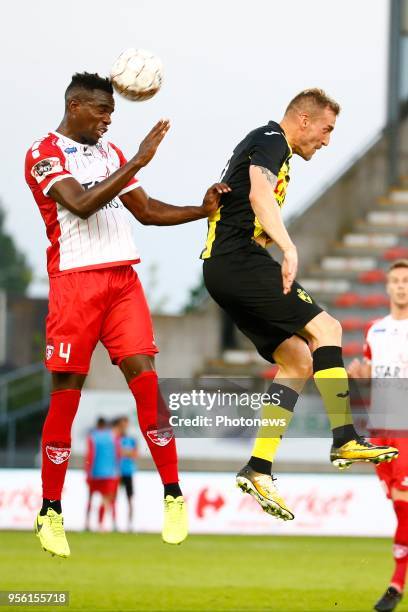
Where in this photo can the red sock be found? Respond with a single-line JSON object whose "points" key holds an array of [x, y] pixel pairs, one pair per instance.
{"points": [[153, 418], [113, 509], [56, 440], [400, 549], [101, 513]]}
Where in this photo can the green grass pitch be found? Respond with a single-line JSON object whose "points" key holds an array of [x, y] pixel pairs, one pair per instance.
{"points": [[215, 573]]}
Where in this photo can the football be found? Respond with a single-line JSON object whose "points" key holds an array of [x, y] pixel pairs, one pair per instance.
{"points": [[137, 74]]}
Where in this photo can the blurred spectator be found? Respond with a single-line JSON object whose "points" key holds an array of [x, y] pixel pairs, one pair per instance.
{"points": [[102, 469], [128, 456]]}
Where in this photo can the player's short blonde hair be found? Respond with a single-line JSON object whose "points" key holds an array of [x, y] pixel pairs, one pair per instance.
{"points": [[312, 99], [398, 263]]}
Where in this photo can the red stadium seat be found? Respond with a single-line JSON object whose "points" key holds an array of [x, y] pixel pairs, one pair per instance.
{"points": [[374, 300], [347, 300], [372, 276], [398, 252], [352, 349], [353, 324], [270, 373]]}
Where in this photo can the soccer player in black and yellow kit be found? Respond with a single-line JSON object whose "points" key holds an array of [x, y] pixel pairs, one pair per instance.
{"points": [[265, 301]]}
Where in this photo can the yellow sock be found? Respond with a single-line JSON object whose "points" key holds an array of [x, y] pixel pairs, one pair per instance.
{"points": [[278, 416], [269, 437], [333, 386]]}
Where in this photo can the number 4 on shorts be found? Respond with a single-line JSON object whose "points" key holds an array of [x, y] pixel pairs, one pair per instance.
{"points": [[65, 355]]}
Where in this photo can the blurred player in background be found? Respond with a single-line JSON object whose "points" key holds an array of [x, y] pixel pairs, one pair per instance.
{"points": [[103, 471], [127, 463], [83, 185], [385, 360], [263, 298]]}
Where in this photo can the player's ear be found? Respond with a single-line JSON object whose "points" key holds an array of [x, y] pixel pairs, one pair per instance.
{"points": [[73, 106], [304, 119]]}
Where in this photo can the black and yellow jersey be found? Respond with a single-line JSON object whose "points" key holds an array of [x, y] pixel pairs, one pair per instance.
{"points": [[234, 225]]}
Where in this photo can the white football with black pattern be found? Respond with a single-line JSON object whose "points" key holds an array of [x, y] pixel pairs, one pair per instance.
{"points": [[137, 74]]}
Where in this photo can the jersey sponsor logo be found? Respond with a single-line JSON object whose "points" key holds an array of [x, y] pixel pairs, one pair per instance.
{"points": [[404, 481], [57, 454], [69, 150], [112, 204], [49, 351], [304, 296], [161, 437], [382, 329], [386, 371], [272, 133], [43, 168]]}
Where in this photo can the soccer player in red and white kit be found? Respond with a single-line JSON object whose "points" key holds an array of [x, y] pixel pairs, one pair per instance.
{"points": [[83, 185], [386, 365]]}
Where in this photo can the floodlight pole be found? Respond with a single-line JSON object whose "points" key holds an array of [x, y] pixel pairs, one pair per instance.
{"points": [[394, 89]]}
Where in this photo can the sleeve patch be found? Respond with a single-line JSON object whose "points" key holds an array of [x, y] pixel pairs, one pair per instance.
{"points": [[45, 167]]}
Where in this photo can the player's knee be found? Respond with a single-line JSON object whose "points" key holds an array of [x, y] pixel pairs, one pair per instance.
{"points": [[305, 367], [330, 331], [135, 365], [296, 363], [335, 326]]}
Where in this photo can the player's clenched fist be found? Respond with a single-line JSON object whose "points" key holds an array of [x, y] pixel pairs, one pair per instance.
{"points": [[212, 197]]}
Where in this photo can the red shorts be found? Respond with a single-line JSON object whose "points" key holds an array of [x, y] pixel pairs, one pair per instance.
{"points": [[104, 486], [107, 305], [394, 474]]}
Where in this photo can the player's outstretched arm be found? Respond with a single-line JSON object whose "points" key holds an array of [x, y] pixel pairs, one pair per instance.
{"points": [[154, 212], [84, 202], [267, 210]]}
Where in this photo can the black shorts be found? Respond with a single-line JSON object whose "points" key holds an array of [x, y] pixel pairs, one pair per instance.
{"points": [[247, 284], [127, 482]]}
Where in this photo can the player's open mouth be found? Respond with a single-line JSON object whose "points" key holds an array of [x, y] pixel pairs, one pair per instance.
{"points": [[101, 132]]}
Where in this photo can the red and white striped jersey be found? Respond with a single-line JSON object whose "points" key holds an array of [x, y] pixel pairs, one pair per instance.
{"points": [[386, 348], [105, 238]]}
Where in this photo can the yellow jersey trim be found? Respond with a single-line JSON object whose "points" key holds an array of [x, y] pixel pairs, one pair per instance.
{"points": [[212, 225]]}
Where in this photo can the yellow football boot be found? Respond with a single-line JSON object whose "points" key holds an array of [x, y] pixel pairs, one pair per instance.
{"points": [[361, 450], [175, 525], [50, 530], [262, 488]]}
